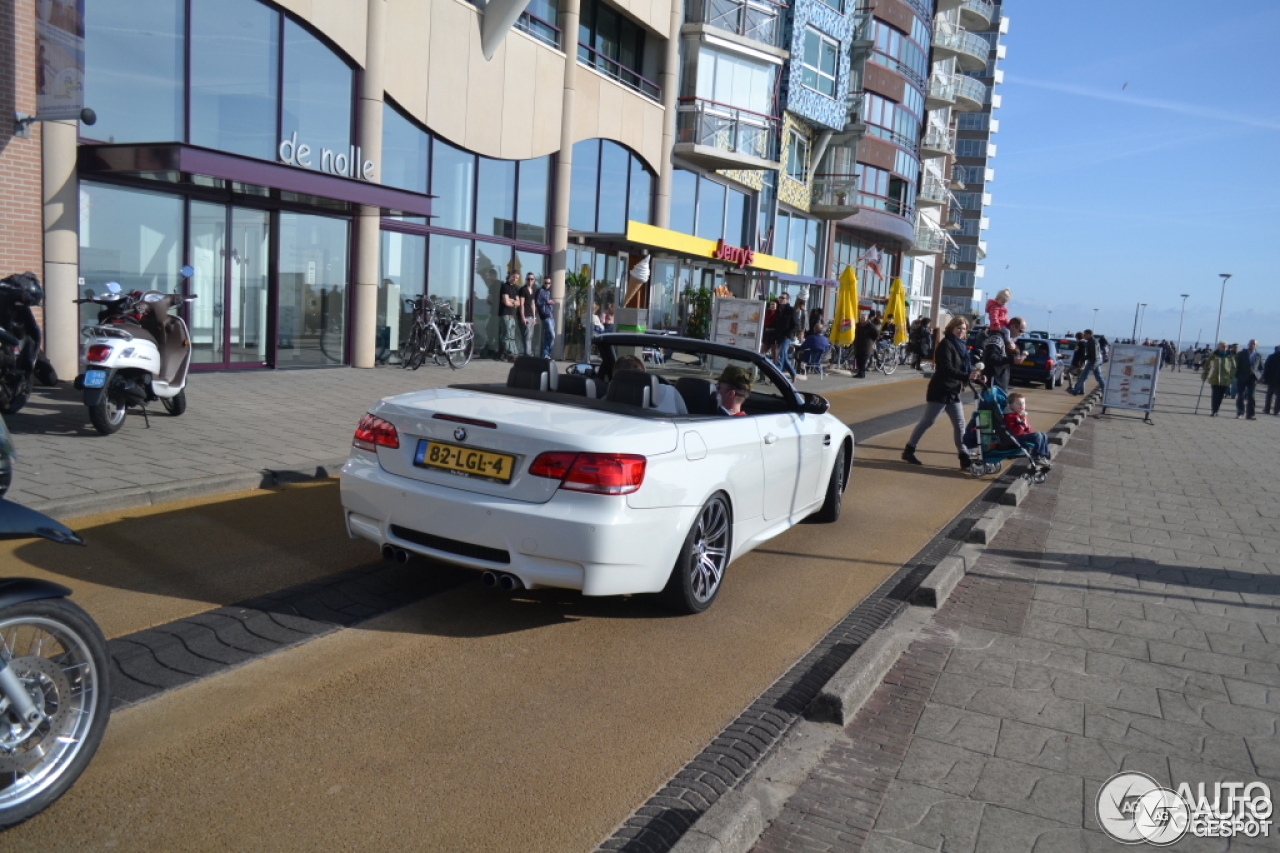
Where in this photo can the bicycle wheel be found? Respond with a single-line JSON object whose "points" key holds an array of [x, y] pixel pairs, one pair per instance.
{"points": [[411, 345], [890, 362], [460, 345]]}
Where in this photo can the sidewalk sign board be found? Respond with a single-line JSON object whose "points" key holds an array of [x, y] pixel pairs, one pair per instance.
{"points": [[737, 322], [1131, 378]]}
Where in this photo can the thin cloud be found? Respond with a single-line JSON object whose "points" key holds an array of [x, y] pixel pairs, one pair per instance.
{"points": [[1151, 103]]}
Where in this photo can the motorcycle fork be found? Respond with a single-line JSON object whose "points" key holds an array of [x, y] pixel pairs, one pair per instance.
{"points": [[13, 689]]}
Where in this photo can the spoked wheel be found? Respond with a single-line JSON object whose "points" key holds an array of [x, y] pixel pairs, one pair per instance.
{"points": [[108, 415], [696, 576], [890, 363], [460, 346], [830, 510], [60, 660], [176, 404], [411, 349]]}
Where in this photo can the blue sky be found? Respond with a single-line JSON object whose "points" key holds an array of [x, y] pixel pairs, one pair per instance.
{"points": [[1107, 195]]}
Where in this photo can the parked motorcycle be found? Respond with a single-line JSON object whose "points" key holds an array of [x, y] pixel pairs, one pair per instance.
{"points": [[137, 353], [21, 361], [55, 691]]}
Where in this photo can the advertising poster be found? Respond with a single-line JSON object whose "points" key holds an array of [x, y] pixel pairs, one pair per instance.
{"points": [[59, 59], [737, 322], [1131, 377]]}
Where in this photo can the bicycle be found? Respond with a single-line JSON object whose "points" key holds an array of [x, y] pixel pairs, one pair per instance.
{"points": [[885, 357], [436, 332]]}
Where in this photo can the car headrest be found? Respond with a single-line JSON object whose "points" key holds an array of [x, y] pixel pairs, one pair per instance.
{"points": [[583, 386], [699, 395], [534, 374], [633, 387]]}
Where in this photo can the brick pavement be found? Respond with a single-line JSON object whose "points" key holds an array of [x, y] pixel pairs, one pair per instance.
{"points": [[241, 430], [1125, 618]]}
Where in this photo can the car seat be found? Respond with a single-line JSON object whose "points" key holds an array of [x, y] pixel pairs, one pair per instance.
{"points": [[583, 386], [633, 388], [533, 374], [699, 395]]}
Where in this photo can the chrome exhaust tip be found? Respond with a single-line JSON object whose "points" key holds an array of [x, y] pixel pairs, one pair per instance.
{"points": [[489, 579], [402, 556], [388, 552], [510, 583]]}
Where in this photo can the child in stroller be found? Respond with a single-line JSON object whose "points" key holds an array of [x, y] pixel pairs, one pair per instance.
{"points": [[991, 440]]}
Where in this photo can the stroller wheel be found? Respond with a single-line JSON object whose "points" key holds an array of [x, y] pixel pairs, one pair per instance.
{"points": [[1039, 477]]}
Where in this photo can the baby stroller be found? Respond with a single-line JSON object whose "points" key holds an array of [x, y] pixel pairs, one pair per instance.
{"points": [[990, 443]]}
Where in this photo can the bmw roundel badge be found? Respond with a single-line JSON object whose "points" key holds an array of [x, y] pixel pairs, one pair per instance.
{"points": [[460, 434]]}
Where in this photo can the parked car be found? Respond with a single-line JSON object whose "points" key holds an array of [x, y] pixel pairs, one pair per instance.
{"points": [[1042, 336], [1040, 363], [607, 481]]}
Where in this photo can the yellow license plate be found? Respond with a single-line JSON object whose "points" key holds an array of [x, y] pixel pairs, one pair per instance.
{"points": [[467, 461], [1027, 364]]}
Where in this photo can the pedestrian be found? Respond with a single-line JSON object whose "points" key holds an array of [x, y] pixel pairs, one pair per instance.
{"points": [[784, 328], [508, 310], [1087, 352], [770, 311], [998, 352], [1015, 420], [952, 371], [1271, 376], [545, 306], [923, 337], [815, 320], [865, 335], [1248, 372], [1233, 351], [528, 312], [1219, 371]]}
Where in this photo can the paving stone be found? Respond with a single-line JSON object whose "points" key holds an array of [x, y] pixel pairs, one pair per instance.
{"points": [[930, 818], [1031, 790], [942, 766], [971, 731], [1005, 830]]}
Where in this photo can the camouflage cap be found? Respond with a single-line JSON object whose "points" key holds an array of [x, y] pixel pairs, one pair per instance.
{"points": [[736, 377]]}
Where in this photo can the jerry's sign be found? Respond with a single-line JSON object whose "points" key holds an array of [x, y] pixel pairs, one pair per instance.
{"points": [[743, 257]]}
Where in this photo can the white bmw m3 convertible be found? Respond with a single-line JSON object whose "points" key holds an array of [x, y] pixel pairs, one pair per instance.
{"points": [[648, 472]]}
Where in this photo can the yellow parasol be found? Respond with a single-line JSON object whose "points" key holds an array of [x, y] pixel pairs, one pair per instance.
{"points": [[841, 331], [896, 308]]}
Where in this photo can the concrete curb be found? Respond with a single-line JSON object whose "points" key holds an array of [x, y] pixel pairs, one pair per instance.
{"points": [[735, 822], [203, 487]]}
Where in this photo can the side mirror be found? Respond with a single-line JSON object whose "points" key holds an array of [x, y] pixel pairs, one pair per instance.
{"points": [[814, 404]]}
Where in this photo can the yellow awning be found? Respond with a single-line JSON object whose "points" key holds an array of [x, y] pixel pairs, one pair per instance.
{"points": [[663, 238]]}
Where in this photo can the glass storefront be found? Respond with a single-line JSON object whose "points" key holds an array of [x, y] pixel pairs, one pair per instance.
{"points": [[313, 270], [230, 250]]}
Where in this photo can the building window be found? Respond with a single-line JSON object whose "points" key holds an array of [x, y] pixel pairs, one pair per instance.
{"points": [[969, 201], [235, 53], [453, 183], [404, 152], [613, 44], [967, 227], [609, 186], [838, 5], [968, 175], [134, 70], [819, 70], [798, 157], [964, 254], [319, 90], [971, 148], [733, 80], [974, 121]]}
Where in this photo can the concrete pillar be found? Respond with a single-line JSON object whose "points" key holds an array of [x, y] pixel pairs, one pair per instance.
{"points": [[569, 11], [669, 80], [61, 196], [364, 325]]}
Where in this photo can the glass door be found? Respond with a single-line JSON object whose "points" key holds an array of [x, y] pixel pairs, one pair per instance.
{"points": [[229, 251]]}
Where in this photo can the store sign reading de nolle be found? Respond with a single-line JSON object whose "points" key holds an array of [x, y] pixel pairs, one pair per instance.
{"points": [[347, 164]]}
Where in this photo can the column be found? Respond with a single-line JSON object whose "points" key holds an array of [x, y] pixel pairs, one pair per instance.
{"points": [[569, 12], [364, 324], [669, 80], [61, 245]]}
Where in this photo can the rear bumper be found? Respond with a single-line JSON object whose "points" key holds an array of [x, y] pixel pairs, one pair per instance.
{"points": [[593, 543]]}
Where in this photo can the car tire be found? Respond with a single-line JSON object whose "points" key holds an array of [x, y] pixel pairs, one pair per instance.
{"points": [[830, 511], [1048, 383], [698, 573], [1057, 381]]}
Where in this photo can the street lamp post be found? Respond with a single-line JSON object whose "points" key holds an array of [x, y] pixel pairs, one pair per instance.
{"points": [[1142, 319], [1095, 320], [1049, 325], [1217, 333], [1177, 351], [1140, 306]]}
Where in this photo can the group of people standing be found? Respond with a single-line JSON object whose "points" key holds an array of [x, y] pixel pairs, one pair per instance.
{"points": [[521, 309], [1234, 372]]}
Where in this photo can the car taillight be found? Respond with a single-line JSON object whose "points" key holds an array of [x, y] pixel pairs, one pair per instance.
{"points": [[99, 353], [600, 473], [1049, 364], [373, 432]]}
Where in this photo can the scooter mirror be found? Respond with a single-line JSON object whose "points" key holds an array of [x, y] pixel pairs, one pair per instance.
{"points": [[187, 271], [113, 287]]}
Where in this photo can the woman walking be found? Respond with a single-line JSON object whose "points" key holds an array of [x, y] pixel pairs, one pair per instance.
{"points": [[1220, 372], [952, 370]]}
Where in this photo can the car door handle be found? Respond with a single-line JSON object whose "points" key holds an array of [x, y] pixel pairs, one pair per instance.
{"points": [[770, 438]]}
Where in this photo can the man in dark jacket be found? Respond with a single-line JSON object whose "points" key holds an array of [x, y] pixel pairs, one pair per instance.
{"points": [[1271, 376], [1090, 358], [865, 335], [785, 324], [1248, 372], [998, 353]]}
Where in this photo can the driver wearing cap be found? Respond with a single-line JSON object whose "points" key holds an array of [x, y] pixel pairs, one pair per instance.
{"points": [[733, 387]]}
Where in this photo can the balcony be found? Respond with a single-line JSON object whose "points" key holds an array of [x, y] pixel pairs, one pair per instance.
{"points": [[539, 29], [937, 143], [716, 136], [969, 51], [971, 94], [928, 241], [977, 14], [933, 192], [758, 20], [942, 92], [834, 196], [618, 71], [948, 5]]}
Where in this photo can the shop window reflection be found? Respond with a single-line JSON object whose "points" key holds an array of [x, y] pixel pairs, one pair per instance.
{"points": [[453, 185], [684, 192], [640, 205], [496, 198], [583, 185], [711, 197], [402, 265], [234, 54], [404, 152], [612, 195], [313, 270], [492, 262], [317, 99], [531, 216]]}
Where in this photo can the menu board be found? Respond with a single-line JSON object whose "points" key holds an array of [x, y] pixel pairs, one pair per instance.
{"points": [[738, 323], [1131, 377]]}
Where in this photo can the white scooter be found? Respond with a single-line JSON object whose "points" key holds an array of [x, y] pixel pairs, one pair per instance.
{"points": [[137, 353]]}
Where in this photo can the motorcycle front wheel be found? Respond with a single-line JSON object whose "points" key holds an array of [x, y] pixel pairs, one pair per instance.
{"points": [[19, 397], [176, 404], [60, 660], [108, 414]]}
